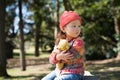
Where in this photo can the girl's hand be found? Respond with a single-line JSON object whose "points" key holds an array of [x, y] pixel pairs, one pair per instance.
{"points": [[66, 56]]}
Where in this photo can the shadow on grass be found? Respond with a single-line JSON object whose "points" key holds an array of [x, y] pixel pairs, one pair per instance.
{"points": [[111, 75], [105, 71], [28, 77], [40, 77], [19, 77], [96, 67], [27, 54]]}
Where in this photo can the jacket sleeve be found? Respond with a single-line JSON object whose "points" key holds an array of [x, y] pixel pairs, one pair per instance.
{"points": [[52, 58], [79, 45]]}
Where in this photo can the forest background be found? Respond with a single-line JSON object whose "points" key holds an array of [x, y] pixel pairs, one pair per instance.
{"points": [[27, 25]]}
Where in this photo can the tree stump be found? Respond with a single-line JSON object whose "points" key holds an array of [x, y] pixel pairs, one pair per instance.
{"points": [[89, 76]]}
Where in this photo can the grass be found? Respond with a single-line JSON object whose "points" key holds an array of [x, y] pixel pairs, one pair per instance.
{"points": [[35, 66], [29, 53], [31, 73], [40, 66], [105, 69]]}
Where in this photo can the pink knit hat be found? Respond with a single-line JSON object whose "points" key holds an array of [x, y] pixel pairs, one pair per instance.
{"points": [[67, 17]]}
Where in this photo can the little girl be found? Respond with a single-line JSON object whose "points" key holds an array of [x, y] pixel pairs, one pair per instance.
{"points": [[73, 68]]}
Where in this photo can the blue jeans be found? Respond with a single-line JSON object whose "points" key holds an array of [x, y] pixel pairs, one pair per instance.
{"points": [[69, 77], [50, 76]]}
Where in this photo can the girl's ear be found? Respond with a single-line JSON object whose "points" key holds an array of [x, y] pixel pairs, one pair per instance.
{"points": [[63, 29]]}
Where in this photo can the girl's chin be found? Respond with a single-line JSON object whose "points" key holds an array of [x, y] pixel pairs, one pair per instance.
{"points": [[74, 36]]}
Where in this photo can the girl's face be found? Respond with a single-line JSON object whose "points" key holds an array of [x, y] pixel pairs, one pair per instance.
{"points": [[72, 29]]}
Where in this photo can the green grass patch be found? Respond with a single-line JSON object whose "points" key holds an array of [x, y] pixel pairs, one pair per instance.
{"points": [[30, 53], [37, 66]]}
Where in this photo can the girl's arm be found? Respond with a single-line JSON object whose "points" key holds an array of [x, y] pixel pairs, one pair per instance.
{"points": [[52, 58], [56, 56]]}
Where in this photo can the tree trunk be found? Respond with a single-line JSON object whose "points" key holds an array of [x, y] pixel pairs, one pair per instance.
{"points": [[67, 5], [116, 25], [3, 61], [115, 12], [57, 11], [37, 31], [117, 32], [22, 52], [57, 19]]}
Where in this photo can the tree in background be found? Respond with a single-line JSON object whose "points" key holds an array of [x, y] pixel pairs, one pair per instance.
{"points": [[22, 51], [10, 32], [43, 23], [67, 5], [3, 61], [115, 9], [38, 22]]}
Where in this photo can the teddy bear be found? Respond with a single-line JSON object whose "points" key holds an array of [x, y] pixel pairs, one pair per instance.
{"points": [[62, 45]]}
